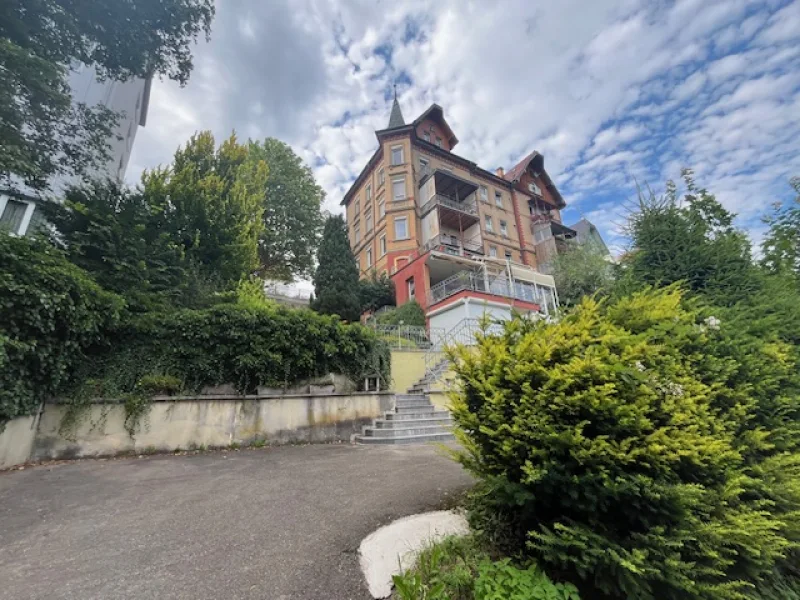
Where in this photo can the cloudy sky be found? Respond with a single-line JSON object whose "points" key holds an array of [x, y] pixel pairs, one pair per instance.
{"points": [[609, 92]]}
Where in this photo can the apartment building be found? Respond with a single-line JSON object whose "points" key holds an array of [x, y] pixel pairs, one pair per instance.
{"points": [[459, 239], [129, 99]]}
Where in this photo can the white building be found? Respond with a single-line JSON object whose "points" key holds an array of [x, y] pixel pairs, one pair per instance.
{"points": [[129, 99]]}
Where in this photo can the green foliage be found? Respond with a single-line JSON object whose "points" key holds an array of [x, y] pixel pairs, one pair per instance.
{"points": [[376, 291], [210, 201], [581, 271], [693, 241], [51, 312], [232, 344], [408, 313], [336, 287], [645, 449], [781, 246], [159, 385], [503, 581], [43, 134], [291, 212], [460, 568]]}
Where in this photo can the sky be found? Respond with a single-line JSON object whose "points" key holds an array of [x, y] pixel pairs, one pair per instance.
{"points": [[611, 93]]}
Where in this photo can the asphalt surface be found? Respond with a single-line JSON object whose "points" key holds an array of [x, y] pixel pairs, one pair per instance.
{"points": [[276, 523]]}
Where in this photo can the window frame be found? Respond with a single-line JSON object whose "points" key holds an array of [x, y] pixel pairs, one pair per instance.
{"points": [[381, 176], [504, 228], [483, 194], [403, 220], [492, 251], [382, 245], [368, 224], [402, 155], [368, 256], [488, 225], [498, 199], [381, 207], [399, 179], [411, 288]]}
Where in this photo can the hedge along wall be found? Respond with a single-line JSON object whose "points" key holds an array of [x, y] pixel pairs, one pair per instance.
{"points": [[232, 344]]}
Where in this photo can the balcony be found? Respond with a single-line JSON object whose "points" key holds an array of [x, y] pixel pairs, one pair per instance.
{"points": [[452, 245], [497, 285]]}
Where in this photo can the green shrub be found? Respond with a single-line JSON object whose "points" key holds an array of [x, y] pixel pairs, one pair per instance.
{"points": [[51, 312], [410, 313], [241, 345], [461, 568], [638, 447], [155, 385]]}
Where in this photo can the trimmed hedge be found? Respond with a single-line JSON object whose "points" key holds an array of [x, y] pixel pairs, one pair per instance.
{"points": [[50, 313], [247, 346]]}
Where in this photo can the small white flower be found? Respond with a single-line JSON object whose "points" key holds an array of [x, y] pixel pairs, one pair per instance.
{"points": [[639, 366], [713, 322]]}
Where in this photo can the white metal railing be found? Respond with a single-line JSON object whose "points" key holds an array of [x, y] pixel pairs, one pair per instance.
{"points": [[409, 337], [468, 206], [452, 244], [498, 285], [462, 334]]}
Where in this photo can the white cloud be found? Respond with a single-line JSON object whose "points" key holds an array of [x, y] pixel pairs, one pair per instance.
{"points": [[606, 91]]}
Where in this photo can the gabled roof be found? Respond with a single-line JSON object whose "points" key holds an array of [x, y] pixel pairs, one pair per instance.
{"points": [[436, 113], [537, 161]]}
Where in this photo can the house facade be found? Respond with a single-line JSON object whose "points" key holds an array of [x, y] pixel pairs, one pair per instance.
{"points": [[459, 239], [129, 99]]}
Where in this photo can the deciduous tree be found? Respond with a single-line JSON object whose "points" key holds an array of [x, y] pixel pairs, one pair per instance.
{"points": [[781, 245], [41, 132]]}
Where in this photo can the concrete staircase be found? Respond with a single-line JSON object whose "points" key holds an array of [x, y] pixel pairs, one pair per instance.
{"points": [[413, 420], [431, 377]]}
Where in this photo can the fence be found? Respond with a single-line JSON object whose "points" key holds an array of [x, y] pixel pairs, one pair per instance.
{"points": [[408, 337]]}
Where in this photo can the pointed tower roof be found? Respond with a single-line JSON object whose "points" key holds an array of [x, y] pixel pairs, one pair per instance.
{"points": [[396, 118]]}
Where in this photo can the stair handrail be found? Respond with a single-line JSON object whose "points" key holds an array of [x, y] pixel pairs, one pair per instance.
{"points": [[462, 332]]}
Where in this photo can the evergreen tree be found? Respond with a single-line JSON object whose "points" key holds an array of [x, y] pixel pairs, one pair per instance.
{"points": [[336, 286], [579, 272]]}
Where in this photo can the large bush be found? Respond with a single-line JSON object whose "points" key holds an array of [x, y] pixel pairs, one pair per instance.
{"points": [[244, 345], [641, 449], [50, 313]]}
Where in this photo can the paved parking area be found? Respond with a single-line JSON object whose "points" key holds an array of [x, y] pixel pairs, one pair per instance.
{"points": [[277, 523]]}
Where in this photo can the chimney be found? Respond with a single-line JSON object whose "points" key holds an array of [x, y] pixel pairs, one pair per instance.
{"points": [[499, 172]]}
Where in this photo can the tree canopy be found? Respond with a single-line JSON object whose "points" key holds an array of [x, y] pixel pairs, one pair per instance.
{"points": [[781, 246], [581, 271], [291, 211], [336, 286], [42, 132]]}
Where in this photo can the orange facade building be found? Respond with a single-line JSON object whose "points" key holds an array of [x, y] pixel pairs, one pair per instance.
{"points": [[459, 239]]}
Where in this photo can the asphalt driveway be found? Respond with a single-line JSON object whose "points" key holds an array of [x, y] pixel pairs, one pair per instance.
{"points": [[277, 524]]}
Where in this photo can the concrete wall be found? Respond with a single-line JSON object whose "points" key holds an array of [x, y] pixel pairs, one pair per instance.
{"points": [[408, 367], [16, 441], [181, 423]]}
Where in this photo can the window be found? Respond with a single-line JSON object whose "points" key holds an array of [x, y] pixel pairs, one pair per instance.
{"points": [[401, 228], [532, 187], [427, 136], [357, 233], [541, 234], [438, 141], [509, 256], [484, 194], [383, 245], [503, 228], [381, 176], [356, 206], [423, 164], [493, 251], [488, 224], [399, 188], [498, 199], [369, 193], [369, 257], [368, 220], [381, 208], [13, 214], [397, 155], [412, 288]]}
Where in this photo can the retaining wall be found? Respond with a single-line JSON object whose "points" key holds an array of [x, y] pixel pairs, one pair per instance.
{"points": [[185, 422]]}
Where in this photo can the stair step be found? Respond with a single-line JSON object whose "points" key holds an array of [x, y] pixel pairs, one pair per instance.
{"points": [[405, 439], [413, 404], [401, 423], [400, 416], [414, 397], [428, 408], [405, 431]]}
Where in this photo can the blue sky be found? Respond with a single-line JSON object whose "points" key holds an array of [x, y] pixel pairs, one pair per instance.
{"points": [[609, 92]]}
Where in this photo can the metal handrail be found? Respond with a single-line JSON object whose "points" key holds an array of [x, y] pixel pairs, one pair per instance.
{"points": [[462, 334], [498, 286], [463, 247], [408, 336]]}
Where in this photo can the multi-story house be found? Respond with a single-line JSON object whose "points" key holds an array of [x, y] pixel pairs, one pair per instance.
{"points": [[459, 239], [129, 99]]}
